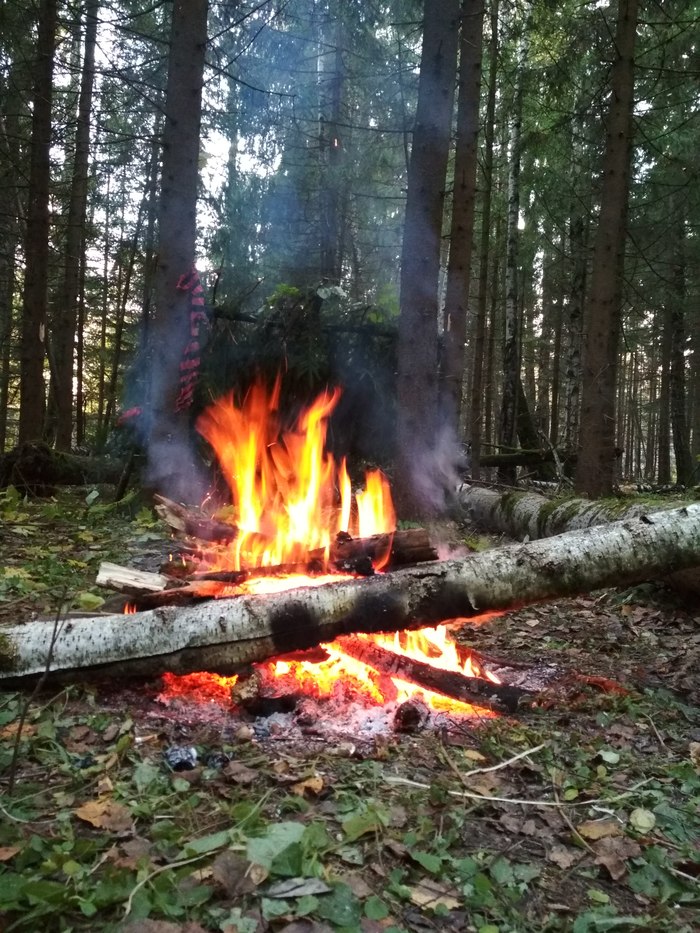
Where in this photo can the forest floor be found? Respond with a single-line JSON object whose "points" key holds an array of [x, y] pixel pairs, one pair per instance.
{"points": [[578, 814]]}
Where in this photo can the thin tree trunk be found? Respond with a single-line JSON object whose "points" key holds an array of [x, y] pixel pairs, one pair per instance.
{"points": [[596, 463], [420, 447], [476, 402], [679, 428], [69, 295], [172, 466], [36, 271], [511, 340], [663, 450], [463, 204]]}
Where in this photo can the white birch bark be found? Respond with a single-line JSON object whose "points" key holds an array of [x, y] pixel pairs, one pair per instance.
{"points": [[224, 634], [528, 516]]}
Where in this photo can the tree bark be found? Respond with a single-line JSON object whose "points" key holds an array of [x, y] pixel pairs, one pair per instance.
{"points": [[476, 416], [171, 463], [463, 203], [36, 271], [527, 515], [418, 441], [67, 312], [227, 634], [596, 464], [512, 388]]}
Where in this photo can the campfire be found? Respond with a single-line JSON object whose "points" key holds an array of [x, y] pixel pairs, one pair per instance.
{"points": [[293, 520]]}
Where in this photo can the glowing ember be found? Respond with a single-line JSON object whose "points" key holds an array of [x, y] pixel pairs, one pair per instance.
{"points": [[290, 499]]}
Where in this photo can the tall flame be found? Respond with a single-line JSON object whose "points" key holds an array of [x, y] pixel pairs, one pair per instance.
{"points": [[290, 498]]}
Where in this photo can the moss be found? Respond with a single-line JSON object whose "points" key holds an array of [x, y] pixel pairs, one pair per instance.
{"points": [[544, 513], [508, 503]]}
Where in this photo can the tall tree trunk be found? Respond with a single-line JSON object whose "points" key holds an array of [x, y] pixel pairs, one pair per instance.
{"points": [[69, 295], [171, 461], [663, 461], [511, 339], [476, 403], [36, 270], [463, 203], [573, 306], [332, 146], [12, 212], [596, 463], [679, 425], [419, 444]]}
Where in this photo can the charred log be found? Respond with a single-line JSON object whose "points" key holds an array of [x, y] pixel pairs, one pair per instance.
{"points": [[475, 690]]}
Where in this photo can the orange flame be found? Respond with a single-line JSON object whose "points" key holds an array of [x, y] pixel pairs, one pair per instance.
{"points": [[290, 498]]}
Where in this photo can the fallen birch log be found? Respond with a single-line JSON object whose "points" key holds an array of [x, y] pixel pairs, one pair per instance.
{"points": [[528, 516], [225, 634]]}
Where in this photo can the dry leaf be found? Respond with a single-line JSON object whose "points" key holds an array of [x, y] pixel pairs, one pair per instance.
{"points": [[473, 755], [431, 894], [132, 854], [312, 786], [8, 852], [105, 813], [562, 856], [104, 786], [599, 829], [239, 773], [234, 874], [111, 732], [613, 853], [10, 731], [694, 749]]}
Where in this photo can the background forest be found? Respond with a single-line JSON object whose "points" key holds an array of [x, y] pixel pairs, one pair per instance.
{"points": [[497, 202]]}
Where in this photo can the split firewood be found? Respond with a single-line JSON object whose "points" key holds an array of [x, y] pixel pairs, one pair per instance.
{"points": [[129, 581], [475, 690], [183, 520], [223, 635]]}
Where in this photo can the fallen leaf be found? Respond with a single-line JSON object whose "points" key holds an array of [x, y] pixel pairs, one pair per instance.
{"points": [[612, 853], [311, 786], [239, 773], [104, 786], [599, 829], [430, 893], [694, 749], [8, 852], [473, 755], [234, 874], [132, 854], [298, 887], [563, 857], [105, 813], [111, 732], [10, 731], [642, 820]]}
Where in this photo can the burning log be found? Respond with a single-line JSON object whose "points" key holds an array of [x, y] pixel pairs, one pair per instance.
{"points": [[225, 634], [176, 585], [475, 690]]}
